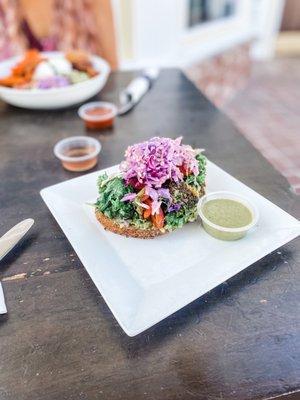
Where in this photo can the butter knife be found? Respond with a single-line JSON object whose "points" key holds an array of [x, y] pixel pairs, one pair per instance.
{"points": [[7, 243], [13, 236]]}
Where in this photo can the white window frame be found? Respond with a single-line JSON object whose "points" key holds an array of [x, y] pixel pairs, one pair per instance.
{"points": [[212, 37], [160, 34]]}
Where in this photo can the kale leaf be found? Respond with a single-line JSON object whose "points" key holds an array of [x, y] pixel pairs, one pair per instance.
{"points": [[177, 219], [198, 180], [111, 193]]}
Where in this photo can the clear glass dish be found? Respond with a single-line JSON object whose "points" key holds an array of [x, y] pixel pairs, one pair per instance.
{"points": [[221, 232], [78, 153], [98, 114]]}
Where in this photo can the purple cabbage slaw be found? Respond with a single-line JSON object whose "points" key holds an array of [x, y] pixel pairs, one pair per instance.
{"points": [[150, 164]]}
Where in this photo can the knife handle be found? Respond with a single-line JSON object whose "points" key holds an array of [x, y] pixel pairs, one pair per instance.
{"points": [[136, 89]]}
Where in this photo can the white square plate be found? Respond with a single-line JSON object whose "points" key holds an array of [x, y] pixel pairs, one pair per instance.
{"points": [[144, 281]]}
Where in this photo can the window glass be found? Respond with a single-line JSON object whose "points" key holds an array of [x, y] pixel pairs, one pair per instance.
{"points": [[209, 10]]}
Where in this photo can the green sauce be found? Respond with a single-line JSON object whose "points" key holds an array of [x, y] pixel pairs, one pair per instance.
{"points": [[227, 213]]}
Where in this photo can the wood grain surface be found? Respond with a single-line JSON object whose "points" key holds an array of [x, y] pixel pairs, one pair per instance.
{"points": [[60, 341]]}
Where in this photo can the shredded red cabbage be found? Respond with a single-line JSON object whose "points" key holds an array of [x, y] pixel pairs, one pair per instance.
{"points": [[157, 160]]}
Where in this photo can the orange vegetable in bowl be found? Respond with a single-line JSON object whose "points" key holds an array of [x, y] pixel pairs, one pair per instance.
{"points": [[22, 72], [81, 61]]}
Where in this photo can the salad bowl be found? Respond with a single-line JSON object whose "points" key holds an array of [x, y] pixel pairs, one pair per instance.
{"points": [[54, 98]]}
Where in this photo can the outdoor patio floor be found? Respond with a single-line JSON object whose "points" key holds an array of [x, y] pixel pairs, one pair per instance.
{"points": [[267, 112]]}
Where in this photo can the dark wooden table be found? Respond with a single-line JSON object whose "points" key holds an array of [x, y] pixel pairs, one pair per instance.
{"points": [[60, 341]]}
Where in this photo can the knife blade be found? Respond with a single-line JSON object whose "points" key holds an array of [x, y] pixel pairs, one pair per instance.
{"points": [[13, 236], [7, 243]]}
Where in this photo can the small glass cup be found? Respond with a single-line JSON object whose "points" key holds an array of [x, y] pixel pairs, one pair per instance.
{"points": [[98, 114], [221, 232], [78, 153]]}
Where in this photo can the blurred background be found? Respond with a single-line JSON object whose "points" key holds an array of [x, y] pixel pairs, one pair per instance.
{"points": [[242, 54]]}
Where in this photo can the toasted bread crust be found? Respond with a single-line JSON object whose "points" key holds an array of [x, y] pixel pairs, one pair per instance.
{"points": [[132, 231], [129, 231]]}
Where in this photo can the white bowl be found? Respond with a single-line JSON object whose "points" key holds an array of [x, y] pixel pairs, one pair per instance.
{"points": [[46, 99]]}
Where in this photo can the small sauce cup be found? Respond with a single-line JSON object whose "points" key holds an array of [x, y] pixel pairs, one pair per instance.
{"points": [[78, 153], [98, 115], [221, 232]]}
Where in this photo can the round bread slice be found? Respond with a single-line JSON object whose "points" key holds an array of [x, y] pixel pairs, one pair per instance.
{"points": [[129, 231]]}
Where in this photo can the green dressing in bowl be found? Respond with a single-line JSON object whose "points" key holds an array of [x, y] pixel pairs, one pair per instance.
{"points": [[227, 213]]}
